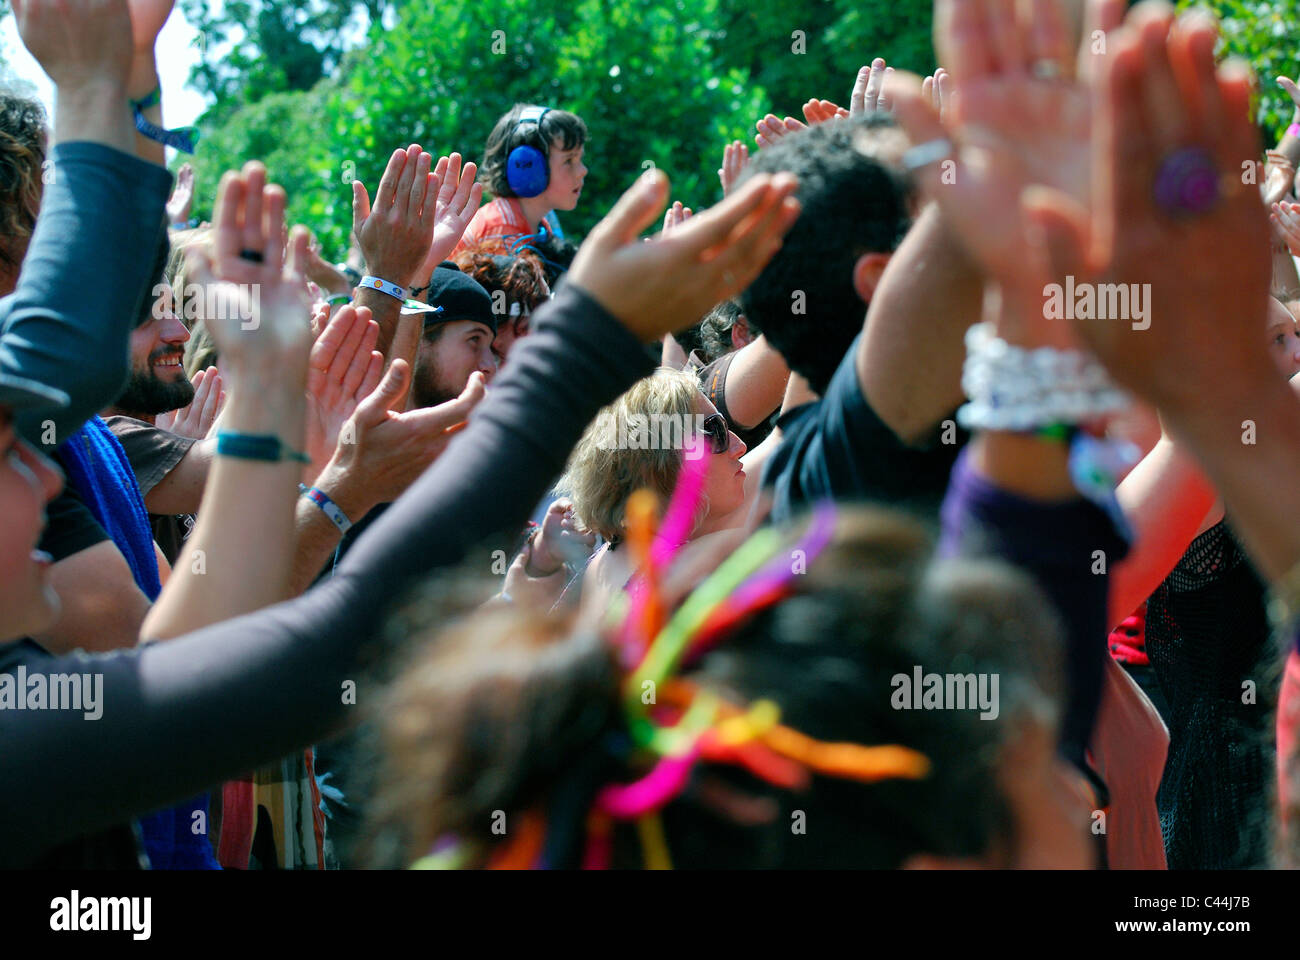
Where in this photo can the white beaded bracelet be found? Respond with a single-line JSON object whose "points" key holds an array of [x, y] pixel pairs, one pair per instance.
{"points": [[1012, 388]]}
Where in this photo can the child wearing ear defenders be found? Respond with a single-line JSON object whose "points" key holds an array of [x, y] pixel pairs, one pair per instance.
{"points": [[532, 165]]}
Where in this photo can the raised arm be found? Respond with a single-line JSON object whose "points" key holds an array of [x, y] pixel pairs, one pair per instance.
{"points": [[909, 357], [100, 227], [237, 559], [756, 380], [1012, 494], [259, 686], [1165, 499], [394, 234], [1203, 324]]}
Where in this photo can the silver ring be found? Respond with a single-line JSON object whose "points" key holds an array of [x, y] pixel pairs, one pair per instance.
{"points": [[1046, 69], [924, 154]]}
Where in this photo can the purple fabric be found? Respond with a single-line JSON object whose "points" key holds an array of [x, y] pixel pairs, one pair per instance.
{"points": [[1068, 547]]}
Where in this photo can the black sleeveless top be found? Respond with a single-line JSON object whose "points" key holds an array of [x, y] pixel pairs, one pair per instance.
{"points": [[1207, 635]]}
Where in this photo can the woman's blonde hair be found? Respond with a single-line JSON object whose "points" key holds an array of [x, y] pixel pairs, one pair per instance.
{"points": [[603, 472]]}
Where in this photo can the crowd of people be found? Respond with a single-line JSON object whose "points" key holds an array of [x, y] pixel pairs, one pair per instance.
{"points": [[918, 504]]}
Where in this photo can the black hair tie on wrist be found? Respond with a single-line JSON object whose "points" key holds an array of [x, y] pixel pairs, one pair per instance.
{"points": [[252, 256]]}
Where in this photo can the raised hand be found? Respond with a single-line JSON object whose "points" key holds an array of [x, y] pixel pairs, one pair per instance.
{"points": [[395, 234], [821, 111], [735, 158], [81, 44], [182, 198], [559, 541], [1279, 176], [260, 298], [1021, 119], [938, 86], [457, 201], [674, 278], [771, 130], [675, 216], [196, 419], [382, 451], [1292, 91], [325, 275], [320, 318], [1285, 218], [869, 89], [343, 370], [1160, 93]]}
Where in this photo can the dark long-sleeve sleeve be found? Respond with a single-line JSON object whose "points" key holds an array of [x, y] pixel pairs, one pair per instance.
{"points": [[91, 261], [1068, 548], [183, 714]]}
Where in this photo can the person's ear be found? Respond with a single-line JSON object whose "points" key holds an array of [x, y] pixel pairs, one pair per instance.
{"points": [[741, 335], [867, 272]]}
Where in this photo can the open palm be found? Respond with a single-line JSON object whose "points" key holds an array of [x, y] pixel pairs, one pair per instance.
{"points": [[1018, 119], [456, 203], [1012, 132]]}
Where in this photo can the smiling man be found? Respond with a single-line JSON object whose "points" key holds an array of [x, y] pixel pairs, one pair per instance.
{"points": [[158, 382], [170, 469]]}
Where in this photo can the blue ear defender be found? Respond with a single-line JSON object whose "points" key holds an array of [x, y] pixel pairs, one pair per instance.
{"points": [[528, 170]]}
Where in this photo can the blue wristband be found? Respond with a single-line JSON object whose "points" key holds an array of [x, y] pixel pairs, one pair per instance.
{"points": [[182, 138], [383, 286], [331, 509], [251, 446]]}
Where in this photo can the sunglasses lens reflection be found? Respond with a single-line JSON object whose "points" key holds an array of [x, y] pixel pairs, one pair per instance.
{"points": [[717, 429]]}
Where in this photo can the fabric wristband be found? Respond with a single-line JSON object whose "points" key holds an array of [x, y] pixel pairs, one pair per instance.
{"points": [[252, 446], [331, 509], [182, 138], [383, 286], [416, 306], [1293, 130]]}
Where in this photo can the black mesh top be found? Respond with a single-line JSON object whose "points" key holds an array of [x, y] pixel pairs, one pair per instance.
{"points": [[1207, 635]]}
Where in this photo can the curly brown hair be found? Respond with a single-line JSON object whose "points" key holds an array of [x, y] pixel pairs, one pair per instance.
{"points": [[516, 282], [22, 155]]}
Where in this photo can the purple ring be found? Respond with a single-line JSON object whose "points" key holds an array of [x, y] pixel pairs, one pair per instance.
{"points": [[1187, 183]]}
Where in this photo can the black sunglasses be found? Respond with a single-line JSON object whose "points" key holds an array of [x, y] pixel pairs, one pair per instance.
{"points": [[718, 431]]}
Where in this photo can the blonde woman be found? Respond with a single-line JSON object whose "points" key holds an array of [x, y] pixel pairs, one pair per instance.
{"points": [[641, 440]]}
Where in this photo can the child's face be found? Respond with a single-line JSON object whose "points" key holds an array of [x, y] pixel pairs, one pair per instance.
{"points": [[567, 175]]}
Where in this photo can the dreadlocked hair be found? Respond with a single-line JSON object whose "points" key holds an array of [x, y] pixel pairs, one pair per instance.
{"points": [[22, 154], [490, 711], [511, 729], [876, 605]]}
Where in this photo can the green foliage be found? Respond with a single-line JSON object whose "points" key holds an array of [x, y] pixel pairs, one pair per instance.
{"points": [[838, 36], [662, 83], [284, 130], [1261, 32], [252, 48]]}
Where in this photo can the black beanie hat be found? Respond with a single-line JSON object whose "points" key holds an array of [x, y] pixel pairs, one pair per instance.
{"points": [[461, 298]]}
